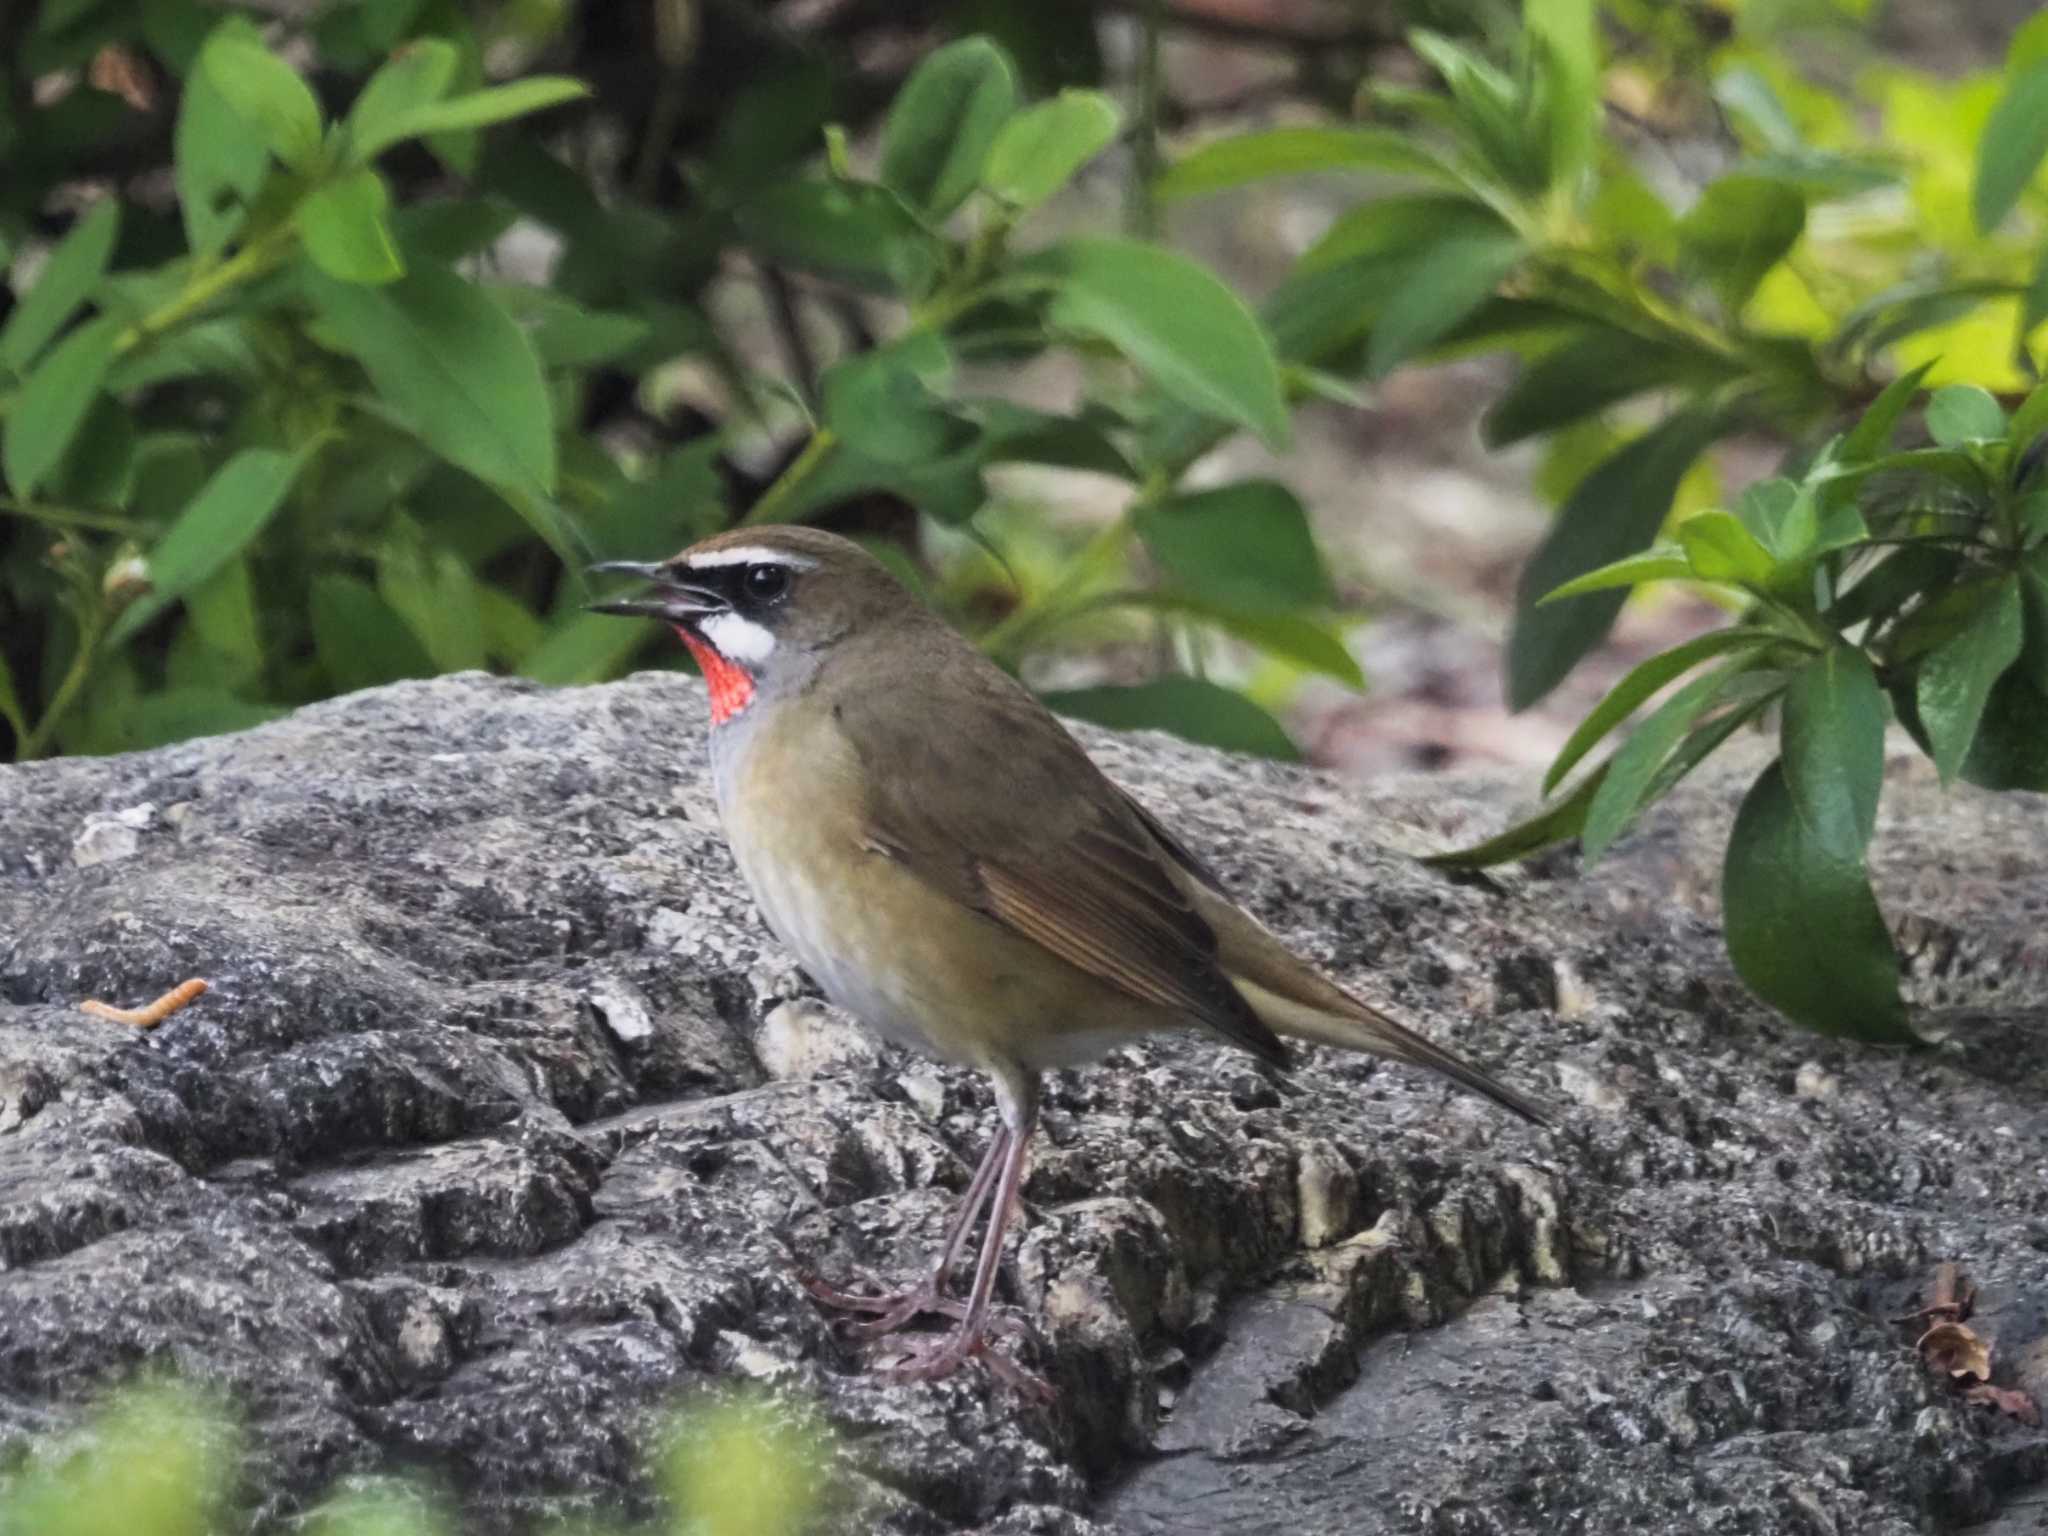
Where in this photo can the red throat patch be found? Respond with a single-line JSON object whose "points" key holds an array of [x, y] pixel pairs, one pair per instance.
{"points": [[732, 689]]}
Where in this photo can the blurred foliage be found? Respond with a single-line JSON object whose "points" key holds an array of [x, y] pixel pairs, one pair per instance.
{"points": [[339, 345], [163, 1459]]}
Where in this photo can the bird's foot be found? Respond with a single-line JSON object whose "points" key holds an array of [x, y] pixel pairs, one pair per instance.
{"points": [[932, 1359]]}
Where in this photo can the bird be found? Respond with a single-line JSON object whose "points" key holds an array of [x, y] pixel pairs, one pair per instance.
{"points": [[950, 866]]}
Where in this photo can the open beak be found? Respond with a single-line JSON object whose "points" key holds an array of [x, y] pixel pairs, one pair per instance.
{"points": [[675, 602]]}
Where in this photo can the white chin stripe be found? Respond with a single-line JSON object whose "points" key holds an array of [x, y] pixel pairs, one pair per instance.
{"points": [[748, 554], [737, 639]]}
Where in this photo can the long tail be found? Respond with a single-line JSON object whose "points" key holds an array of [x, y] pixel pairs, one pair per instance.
{"points": [[1361, 1028]]}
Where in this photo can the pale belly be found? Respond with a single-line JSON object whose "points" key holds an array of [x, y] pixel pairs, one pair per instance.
{"points": [[911, 964]]}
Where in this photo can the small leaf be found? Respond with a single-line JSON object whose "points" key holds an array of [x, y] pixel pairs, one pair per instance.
{"points": [[1872, 436], [1657, 565], [1040, 149], [1963, 413], [1721, 549], [266, 92], [1303, 642], [585, 648], [1833, 739], [2011, 746], [1634, 766], [1245, 546], [859, 234], [1646, 678], [1570, 59], [417, 75], [1176, 321], [231, 509], [343, 224], [1956, 677], [1248, 157], [1446, 283], [455, 369], [1587, 374], [435, 594], [1615, 511], [1803, 929], [2009, 151], [52, 405], [937, 135], [1741, 227], [1552, 825], [1017, 434], [219, 164], [1189, 707], [66, 281], [2028, 422], [477, 109], [880, 404]]}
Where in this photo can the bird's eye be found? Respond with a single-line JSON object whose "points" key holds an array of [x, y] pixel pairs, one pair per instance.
{"points": [[765, 583]]}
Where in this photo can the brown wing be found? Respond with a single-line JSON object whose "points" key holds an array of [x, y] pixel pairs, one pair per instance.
{"points": [[1050, 849]]}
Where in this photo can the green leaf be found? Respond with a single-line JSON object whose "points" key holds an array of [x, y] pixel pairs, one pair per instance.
{"points": [[264, 91], [2034, 611], [66, 281], [219, 165], [1249, 157], [1721, 549], [1446, 284], [1040, 149], [435, 594], [1956, 677], [1872, 435], [454, 368], [2028, 422], [1587, 374], [1741, 227], [416, 76], [1189, 707], [1833, 737], [1553, 824], [1632, 571], [2015, 138], [1245, 546], [2011, 747], [563, 332], [221, 613], [1570, 59], [1633, 690], [1397, 230], [1615, 511], [1304, 642], [1176, 321], [1017, 434], [937, 135], [1803, 929], [511, 631], [231, 509], [1634, 766], [880, 403], [2034, 303], [98, 469], [1963, 413], [860, 234], [53, 403], [477, 109], [359, 637], [585, 648], [344, 228]]}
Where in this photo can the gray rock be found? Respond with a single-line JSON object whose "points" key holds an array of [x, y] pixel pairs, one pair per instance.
{"points": [[504, 1126]]}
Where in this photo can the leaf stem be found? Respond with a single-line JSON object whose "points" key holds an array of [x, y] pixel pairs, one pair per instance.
{"points": [[770, 506], [1061, 600], [252, 261], [70, 517], [92, 629]]}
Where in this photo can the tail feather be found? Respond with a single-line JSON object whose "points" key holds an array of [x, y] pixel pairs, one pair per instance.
{"points": [[1361, 1028]]}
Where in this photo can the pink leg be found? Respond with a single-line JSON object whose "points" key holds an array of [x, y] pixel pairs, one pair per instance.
{"points": [[1018, 1095], [895, 1309]]}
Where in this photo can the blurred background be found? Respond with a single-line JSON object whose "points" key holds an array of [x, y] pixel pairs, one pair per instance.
{"points": [[1219, 364]]}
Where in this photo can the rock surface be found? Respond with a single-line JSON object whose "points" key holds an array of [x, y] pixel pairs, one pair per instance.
{"points": [[504, 1126]]}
